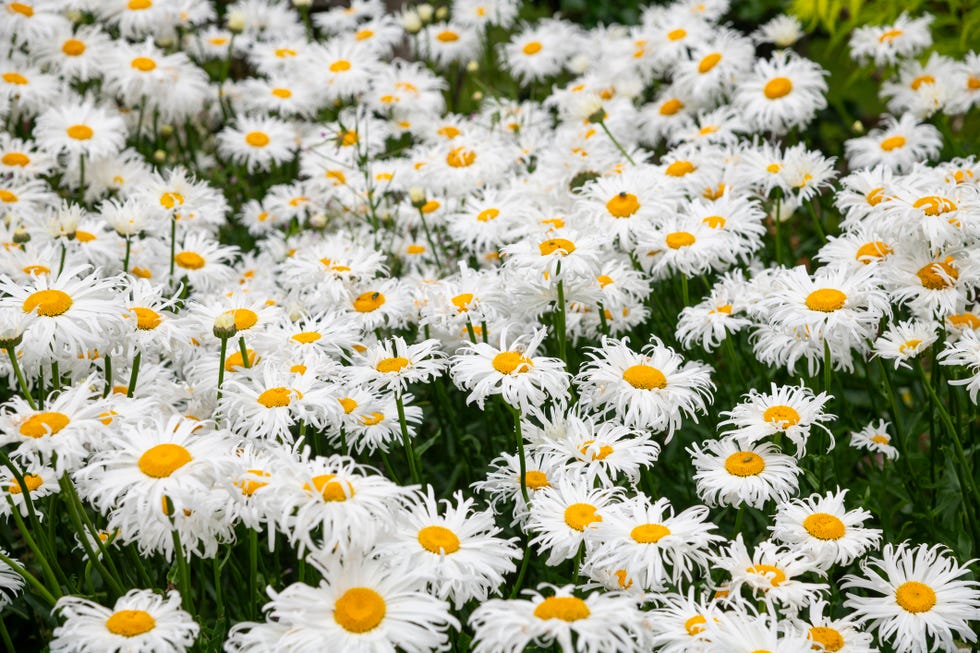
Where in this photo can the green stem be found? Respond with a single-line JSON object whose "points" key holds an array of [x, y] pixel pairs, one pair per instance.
{"points": [[428, 237], [816, 221], [126, 255], [68, 488], [71, 499], [777, 221], [684, 291], [519, 433], [523, 570], [134, 374], [61, 258], [603, 324], [470, 331], [108, 376], [31, 580], [81, 183], [253, 572], [173, 246], [561, 334], [184, 572], [12, 354], [6, 637], [619, 147], [244, 350], [221, 365], [406, 440], [46, 569]]}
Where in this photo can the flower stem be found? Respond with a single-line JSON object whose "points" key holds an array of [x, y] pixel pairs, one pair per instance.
{"points": [[108, 376], [21, 381], [134, 374], [76, 513], [126, 255], [184, 572], [244, 350], [253, 572], [561, 335], [31, 580], [406, 440], [619, 147], [520, 451]]}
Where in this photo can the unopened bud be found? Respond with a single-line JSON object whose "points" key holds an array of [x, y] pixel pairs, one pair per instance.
{"points": [[477, 96], [302, 4], [166, 130], [417, 196], [858, 127], [425, 12], [159, 156], [411, 22], [21, 236], [441, 13], [236, 21], [472, 66], [318, 221], [598, 116], [224, 326]]}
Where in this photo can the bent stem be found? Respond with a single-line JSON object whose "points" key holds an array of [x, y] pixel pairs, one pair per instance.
{"points": [[602, 123]]}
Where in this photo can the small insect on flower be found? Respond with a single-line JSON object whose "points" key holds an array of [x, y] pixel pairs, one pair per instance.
{"points": [[141, 620]]}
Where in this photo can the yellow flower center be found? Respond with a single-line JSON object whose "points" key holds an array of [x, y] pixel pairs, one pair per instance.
{"points": [[275, 397], [920, 80], [372, 419], [533, 47], [604, 451], [826, 300], [536, 479], [143, 64], [487, 215], [234, 360], [348, 138], [775, 574], [245, 318], [189, 260], [250, 486], [695, 625], [14, 78], [80, 132], [680, 168], [257, 139], [934, 205], [880, 439], [964, 321], [893, 143], [777, 87], [430, 206], [137, 5], [938, 275], [824, 526], [447, 36], [714, 221], [363, 35], [31, 482], [828, 638], [909, 346], [41, 424], [680, 239], [7, 197], [973, 83], [676, 34], [20, 8], [282, 93], [671, 107], [462, 302], [359, 610], [562, 246], [645, 377], [146, 318], [130, 623], [348, 405], [875, 196], [649, 533], [163, 460], [744, 463], [782, 416], [330, 489], [581, 515], [415, 249], [49, 303], [889, 36], [709, 62], [915, 597], [437, 539], [566, 608], [368, 301], [391, 365], [872, 250], [283, 53], [460, 157], [724, 308], [339, 66], [171, 199], [15, 159], [509, 362], [73, 47], [306, 337], [623, 205]]}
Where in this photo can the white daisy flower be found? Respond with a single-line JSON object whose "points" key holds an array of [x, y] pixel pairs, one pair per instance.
{"points": [[887, 44], [840, 635], [459, 553], [904, 341], [729, 475], [789, 410], [600, 622], [391, 365], [898, 144], [680, 623], [875, 438], [651, 389], [822, 526], [80, 129], [771, 572], [964, 351], [139, 620], [782, 92], [359, 605], [257, 143], [650, 543], [918, 602]]}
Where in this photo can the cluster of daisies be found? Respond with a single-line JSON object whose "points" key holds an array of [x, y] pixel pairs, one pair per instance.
{"points": [[240, 442]]}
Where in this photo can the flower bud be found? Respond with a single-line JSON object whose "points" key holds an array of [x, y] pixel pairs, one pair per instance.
{"points": [[236, 21], [417, 196], [425, 12], [224, 326]]}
